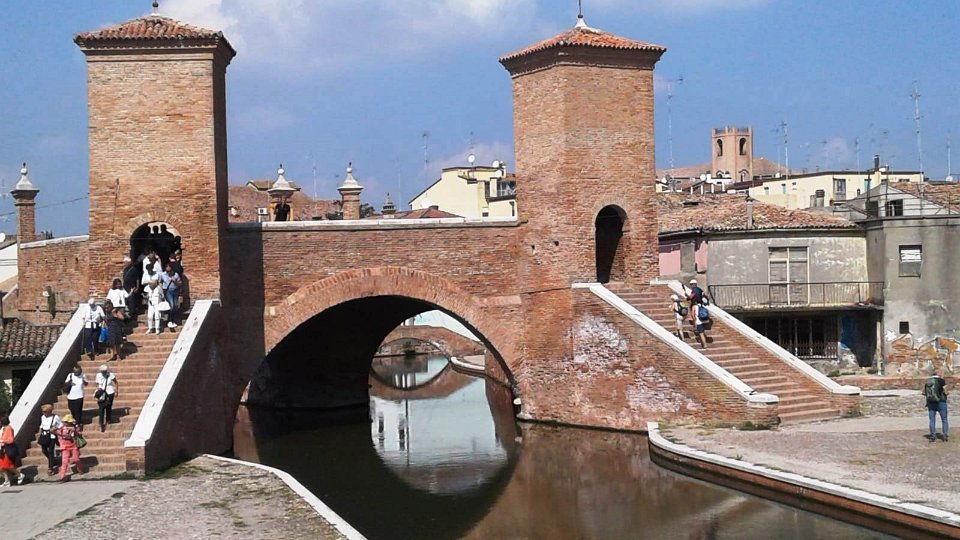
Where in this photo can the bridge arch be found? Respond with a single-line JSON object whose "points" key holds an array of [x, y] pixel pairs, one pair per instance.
{"points": [[336, 324]]}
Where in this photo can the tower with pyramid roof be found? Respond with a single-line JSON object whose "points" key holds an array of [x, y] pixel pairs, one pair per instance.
{"points": [[158, 143]]}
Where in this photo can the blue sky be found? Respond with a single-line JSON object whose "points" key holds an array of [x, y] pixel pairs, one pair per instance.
{"points": [[320, 83]]}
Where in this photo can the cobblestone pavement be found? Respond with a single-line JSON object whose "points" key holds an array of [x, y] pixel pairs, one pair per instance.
{"points": [[883, 452], [204, 498]]}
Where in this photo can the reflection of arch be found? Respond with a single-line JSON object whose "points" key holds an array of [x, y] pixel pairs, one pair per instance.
{"points": [[385, 282], [444, 383], [609, 251]]}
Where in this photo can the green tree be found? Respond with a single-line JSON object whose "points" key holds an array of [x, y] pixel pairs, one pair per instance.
{"points": [[6, 400]]}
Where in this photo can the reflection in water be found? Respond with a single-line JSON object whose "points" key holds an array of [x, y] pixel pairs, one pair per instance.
{"points": [[449, 463]]}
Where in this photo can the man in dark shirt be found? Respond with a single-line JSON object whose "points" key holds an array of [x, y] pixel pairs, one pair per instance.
{"points": [[131, 284], [936, 393]]}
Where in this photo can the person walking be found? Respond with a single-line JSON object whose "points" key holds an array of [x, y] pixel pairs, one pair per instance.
{"points": [[69, 452], [679, 311], [115, 332], [936, 393], [701, 316], [92, 319], [154, 294], [106, 392], [76, 381], [118, 296], [171, 285], [47, 439], [132, 273], [9, 454], [694, 299]]}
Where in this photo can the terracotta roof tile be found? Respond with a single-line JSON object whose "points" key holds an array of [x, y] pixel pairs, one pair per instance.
{"points": [[946, 195], [151, 28], [584, 36], [21, 341], [728, 212], [420, 213]]}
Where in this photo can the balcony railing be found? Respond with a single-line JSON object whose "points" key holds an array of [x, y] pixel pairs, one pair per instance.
{"points": [[798, 295]]}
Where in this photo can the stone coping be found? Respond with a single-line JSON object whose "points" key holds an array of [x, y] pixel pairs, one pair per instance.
{"points": [[471, 368], [322, 509], [745, 391], [825, 497], [55, 241], [373, 224], [774, 349]]}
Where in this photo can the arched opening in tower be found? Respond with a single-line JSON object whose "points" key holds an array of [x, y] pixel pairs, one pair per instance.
{"points": [[158, 237], [609, 244]]}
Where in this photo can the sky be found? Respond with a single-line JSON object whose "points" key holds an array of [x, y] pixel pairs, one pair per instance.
{"points": [[320, 83]]}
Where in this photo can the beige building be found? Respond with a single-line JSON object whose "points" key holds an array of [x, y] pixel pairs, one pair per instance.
{"points": [[472, 192], [822, 188]]}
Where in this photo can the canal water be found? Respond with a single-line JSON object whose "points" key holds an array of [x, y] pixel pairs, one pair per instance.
{"points": [[439, 455]]}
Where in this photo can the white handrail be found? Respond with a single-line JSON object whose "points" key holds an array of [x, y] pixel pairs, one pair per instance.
{"points": [[150, 415], [30, 401], [718, 313], [664, 335]]}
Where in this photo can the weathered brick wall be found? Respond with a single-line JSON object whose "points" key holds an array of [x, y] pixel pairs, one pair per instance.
{"points": [[608, 371], [60, 264], [157, 140]]}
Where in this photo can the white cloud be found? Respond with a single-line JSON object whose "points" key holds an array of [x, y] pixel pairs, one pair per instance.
{"points": [[677, 6], [262, 118], [337, 33]]}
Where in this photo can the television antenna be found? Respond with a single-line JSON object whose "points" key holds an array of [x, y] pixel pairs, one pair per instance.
{"points": [[949, 165], [915, 95], [786, 147], [426, 148], [670, 83]]}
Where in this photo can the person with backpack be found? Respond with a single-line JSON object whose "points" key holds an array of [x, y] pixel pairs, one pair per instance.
{"points": [[106, 392], [9, 454], [936, 393], [47, 439], [679, 312], [701, 316], [694, 299]]}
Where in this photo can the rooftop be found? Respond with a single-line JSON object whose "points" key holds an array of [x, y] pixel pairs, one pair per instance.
{"points": [[584, 36], [422, 213], [21, 341], [680, 212], [243, 202], [154, 29], [946, 195]]}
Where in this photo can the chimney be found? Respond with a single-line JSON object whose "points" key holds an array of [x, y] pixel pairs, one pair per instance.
{"points": [[24, 197], [818, 198], [749, 212], [350, 196]]}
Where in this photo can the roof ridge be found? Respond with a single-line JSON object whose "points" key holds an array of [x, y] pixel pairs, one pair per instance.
{"points": [[585, 36]]}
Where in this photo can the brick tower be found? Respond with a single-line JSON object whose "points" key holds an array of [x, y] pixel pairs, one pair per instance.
{"points": [[583, 123], [25, 199], [158, 143]]}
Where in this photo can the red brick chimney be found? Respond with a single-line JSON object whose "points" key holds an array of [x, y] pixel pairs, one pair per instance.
{"points": [[24, 196], [350, 195]]}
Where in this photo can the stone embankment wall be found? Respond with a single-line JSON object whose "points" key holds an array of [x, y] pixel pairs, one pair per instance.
{"points": [[60, 264], [614, 373]]}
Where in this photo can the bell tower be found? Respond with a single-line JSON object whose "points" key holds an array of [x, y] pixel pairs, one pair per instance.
{"points": [[158, 143]]}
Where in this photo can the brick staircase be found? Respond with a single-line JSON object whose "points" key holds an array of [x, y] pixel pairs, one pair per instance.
{"points": [[144, 358], [801, 399]]}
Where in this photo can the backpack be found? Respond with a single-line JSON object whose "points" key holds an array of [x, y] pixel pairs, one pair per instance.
{"points": [[703, 313], [933, 391], [682, 309]]}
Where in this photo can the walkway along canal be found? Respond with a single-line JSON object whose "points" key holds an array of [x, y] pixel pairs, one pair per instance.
{"points": [[450, 461]]}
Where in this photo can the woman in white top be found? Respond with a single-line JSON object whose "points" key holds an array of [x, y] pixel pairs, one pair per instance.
{"points": [[117, 296], [77, 380], [154, 294], [106, 391], [48, 439]]}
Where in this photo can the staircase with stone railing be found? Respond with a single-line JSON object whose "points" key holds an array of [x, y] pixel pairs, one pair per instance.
{"points": [[143, 359], [801, 398]]}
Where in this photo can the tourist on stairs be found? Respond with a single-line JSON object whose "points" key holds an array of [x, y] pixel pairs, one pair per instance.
{"points": [[171, 286], [106, 392], [9, 454], [67, 433], [679, 310], [118, 297], [154, 294], [132, 273], [73, 386], [47, 439], [114, 339], [92, 319]]}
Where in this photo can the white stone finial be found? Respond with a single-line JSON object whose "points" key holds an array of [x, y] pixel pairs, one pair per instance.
{"points": [[24, 184], [156, 8], [350, 182], [281, 188]]}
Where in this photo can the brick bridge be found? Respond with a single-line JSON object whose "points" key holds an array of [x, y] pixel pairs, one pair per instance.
{"points": [[305, 305]]}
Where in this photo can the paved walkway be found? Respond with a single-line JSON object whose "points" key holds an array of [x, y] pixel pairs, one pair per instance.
{"points": [[31, 509], [883, 452]]}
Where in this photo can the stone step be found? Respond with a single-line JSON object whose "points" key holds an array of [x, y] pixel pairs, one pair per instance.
{"points": [[809, 416]]}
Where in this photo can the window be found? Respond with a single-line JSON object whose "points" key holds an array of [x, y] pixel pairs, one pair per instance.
{"points": [[788, 275], [766, 190], [873, 209], [893, 208], [783, 188], [743, 146], [840, 185], [866, 184], [904, 327], [911, 260], [719, 148]]}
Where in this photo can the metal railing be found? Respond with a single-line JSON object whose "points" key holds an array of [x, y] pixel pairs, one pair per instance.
{"points": [[797, 295]]}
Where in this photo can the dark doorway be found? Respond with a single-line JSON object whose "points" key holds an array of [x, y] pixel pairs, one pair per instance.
{"points": [[159, 237], [609, 235]]}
